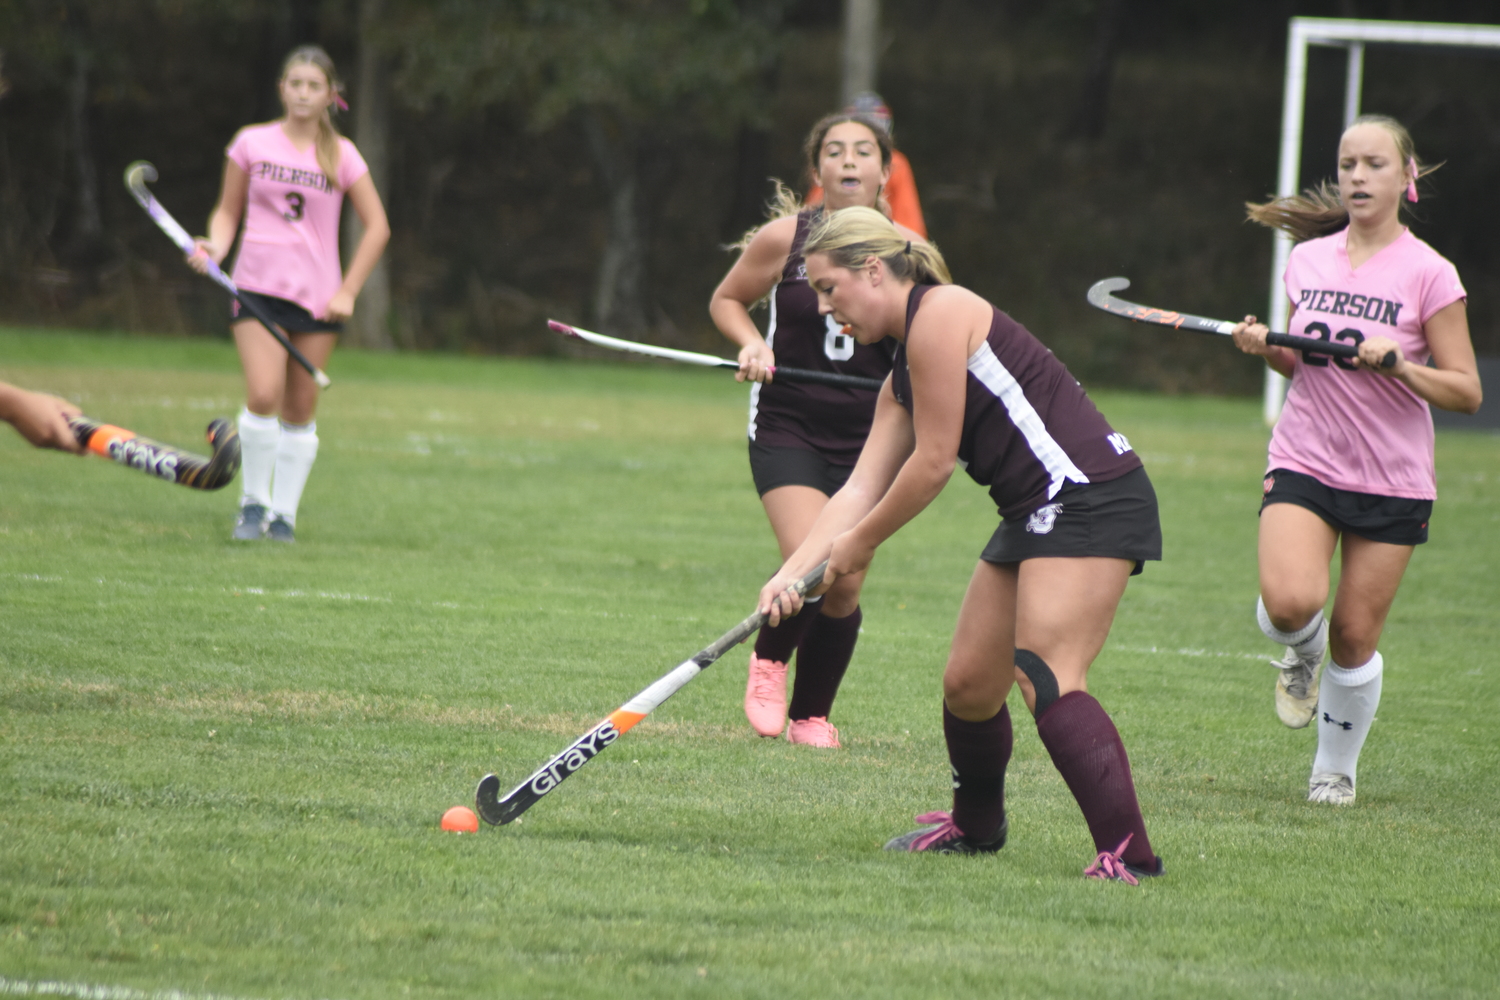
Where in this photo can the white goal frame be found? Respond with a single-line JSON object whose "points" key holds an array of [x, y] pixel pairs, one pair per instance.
{"points": [[1353, 36]]}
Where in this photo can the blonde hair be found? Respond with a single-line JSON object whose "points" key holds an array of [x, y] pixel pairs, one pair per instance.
{"points": [[851, 236], [327, 141], [1320, 211], [782, 203]]}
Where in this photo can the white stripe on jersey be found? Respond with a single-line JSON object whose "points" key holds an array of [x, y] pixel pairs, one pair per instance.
{"points": [[994, 377], [755, 386]]}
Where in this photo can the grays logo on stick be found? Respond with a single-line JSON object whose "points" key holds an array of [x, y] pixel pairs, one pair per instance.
{"points": [[574, 757], [163, 461]]}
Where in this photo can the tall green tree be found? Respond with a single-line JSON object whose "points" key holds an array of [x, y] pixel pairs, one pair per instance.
{"points": [[630, 76]]}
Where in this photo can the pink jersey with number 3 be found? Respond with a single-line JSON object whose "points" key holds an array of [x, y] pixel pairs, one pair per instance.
{"points": [[1353, 429], [290, 246]]}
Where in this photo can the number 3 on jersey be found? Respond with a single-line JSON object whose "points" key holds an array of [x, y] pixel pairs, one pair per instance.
{"points": [[837, 344], [294, 202]]}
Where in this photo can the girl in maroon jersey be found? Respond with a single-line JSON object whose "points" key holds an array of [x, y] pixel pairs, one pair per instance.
{"points": [[804, 439], [287, 179], [1079, 518]]}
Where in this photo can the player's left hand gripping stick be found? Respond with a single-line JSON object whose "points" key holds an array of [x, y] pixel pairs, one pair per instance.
{"points": [[496, 811]]}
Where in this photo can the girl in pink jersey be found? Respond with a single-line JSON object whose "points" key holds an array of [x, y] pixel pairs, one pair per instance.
{"points": [[804, 439], [1352, 456], [288, 179]]}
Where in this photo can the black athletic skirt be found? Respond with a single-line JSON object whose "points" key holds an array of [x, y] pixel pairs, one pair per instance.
{"points": [[1393, 520], [286, 314], [1116, 519], [773, 467]]}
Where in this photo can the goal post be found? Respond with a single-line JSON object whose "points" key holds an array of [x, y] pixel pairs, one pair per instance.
{"points": [[1352, 36]]}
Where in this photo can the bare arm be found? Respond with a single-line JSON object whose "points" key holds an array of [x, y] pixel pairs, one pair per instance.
{"points": [[224, 220], [753, 275], [887, 448], [1454, 383], [40, 418], [900, 472], [937, 352], [366, 202]]}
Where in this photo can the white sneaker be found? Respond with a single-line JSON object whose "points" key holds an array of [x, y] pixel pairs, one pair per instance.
{"points": [[1297, 686], [1334, 789]]}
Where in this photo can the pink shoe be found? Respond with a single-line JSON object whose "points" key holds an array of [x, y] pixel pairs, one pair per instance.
{"points": [[814, 732], [1110, 866], [765, 696]]}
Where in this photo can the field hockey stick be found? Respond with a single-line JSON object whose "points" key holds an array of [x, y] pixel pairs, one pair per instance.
{"points": [[709, 361], [162, 460], [137, 176], [497, 811], [1100, 297]]}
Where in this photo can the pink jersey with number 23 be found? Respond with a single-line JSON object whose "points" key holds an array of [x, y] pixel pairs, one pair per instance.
{"points": [[1353, 429], [290, 246]]}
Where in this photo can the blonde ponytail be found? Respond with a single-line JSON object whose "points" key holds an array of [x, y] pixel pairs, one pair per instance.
{"points": [[784, 202], [851, 236], [329, 153]]}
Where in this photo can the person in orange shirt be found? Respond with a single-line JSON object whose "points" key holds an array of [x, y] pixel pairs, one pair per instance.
{"points": [[900, 191]]}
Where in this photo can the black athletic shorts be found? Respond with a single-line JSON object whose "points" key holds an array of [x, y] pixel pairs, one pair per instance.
{"points": [[288, 315], [1116, 519], [1393, 520], [773, 467]]}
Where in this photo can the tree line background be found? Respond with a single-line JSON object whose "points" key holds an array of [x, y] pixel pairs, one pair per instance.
{"points": [[589, 159]]}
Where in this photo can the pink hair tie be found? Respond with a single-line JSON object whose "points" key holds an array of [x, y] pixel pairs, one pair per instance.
{"points": [[343, 105], [1411, 188]]}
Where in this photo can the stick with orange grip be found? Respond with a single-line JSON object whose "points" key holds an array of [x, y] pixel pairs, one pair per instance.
{"points": [[497, 811], [162, 460]]}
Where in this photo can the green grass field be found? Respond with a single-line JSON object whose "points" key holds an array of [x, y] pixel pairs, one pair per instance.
{"points": [[222, 766]]}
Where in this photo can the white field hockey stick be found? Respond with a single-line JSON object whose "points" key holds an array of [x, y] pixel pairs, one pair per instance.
{"points": [[1100, 297], [497, 811], [709, 361], [137, 176]]}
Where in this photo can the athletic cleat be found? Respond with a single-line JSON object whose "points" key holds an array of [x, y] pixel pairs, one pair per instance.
{"points": [[1111, 867], [250, 526], [1297, 688], [945, 837], [765, 696], [1334, 789], [280, 530], [814, 732]]}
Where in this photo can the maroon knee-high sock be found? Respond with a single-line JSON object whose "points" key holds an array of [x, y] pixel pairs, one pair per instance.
{"points": [[1086, 750], [979, 753], [779, 642], [822, 658]]}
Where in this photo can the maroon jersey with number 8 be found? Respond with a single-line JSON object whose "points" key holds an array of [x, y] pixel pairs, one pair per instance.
{"points": [[830, 420]]}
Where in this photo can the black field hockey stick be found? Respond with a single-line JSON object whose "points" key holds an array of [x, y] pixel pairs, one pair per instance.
{"points": [[162, 460], [1100, 297], [709, 361], [137, 176], [497, 811]]}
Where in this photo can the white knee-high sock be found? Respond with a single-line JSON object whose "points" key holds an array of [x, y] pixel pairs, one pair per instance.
{"points": [[259, 437], [294, 460], [1346, 707], [1309, 641]]}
